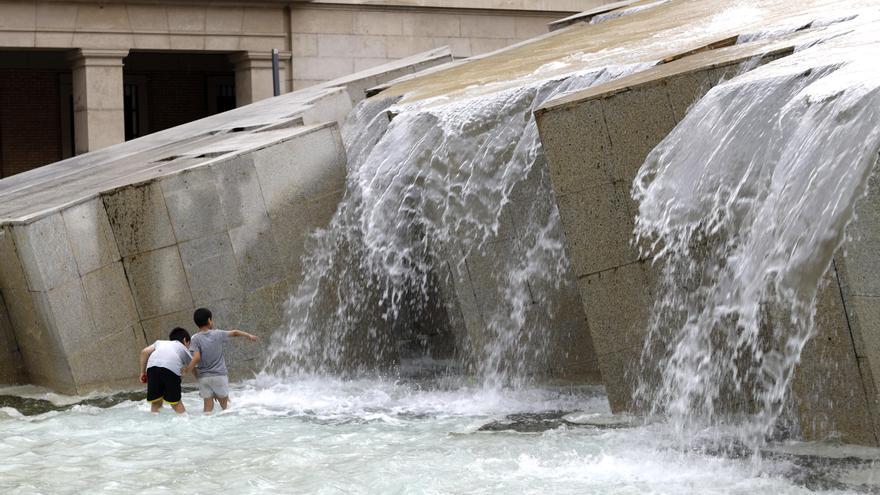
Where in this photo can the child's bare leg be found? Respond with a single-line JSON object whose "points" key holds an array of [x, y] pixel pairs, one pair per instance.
{"points": [[178, 408], [155, 406], [224, 402], [209, 405]]}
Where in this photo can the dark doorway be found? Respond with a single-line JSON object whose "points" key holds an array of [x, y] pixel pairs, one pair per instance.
{"points": [[33, 108], [166, 89]]}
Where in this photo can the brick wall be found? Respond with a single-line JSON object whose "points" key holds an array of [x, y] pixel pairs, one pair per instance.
{"points": [[30, 120], [333, 42]]}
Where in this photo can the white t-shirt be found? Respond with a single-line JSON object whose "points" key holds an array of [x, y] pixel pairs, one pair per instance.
{"points": [[170, 354]]}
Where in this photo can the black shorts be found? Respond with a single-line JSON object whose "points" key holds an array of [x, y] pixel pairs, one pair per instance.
{"points": [[163, 384]]}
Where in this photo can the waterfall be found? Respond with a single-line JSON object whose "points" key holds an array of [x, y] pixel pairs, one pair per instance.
{"points": [[742, 207], [428, 186]]}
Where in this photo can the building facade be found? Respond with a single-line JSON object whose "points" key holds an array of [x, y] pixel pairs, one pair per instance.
{"points": [[77, 76]]}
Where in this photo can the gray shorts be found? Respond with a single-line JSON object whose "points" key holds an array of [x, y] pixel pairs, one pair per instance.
{"points": [[214, 386]]}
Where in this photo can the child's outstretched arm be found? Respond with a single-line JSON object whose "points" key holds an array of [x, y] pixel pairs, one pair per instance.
{"points": [[239, 333], [145, 355]]}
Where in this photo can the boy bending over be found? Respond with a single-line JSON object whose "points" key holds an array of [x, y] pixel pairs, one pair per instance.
{"points": [[161, 365], [208, 360]]}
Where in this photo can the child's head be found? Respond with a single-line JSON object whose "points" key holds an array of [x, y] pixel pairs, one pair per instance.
{"points": [[203, 318], [179, 335]]}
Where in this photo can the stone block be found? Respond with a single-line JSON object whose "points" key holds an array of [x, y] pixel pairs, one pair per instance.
{"points": [[460, 47], [367, 63], [347, 45], [311, 165], [151, 41], [45, 252], [139, 218], [260, 316], [304, 45], [18, 16], [305, 20], [55, 16], [110, 362], [17, 39], [861, 250], [111, 304], [619, 374], [576, 144], [41, 350], [598, 229], [264, 21], [11, 271], [148, 18], [242, 198], [158, 282], [91, 237], [193, 203], [191, 42], [53, 40], [70, 318], [637, 120], [378, 23], [224, 20], [159, 327], [618, 306], [864, 318], [11, 364], [322, 68], [222, 43], [828, 389], [485, 45], [530, 27], [487, 26], [258, 258], [103, 41], [97, 18], [210, 268], [186, 19], [421, 24], [404, 46], [686, 89]]}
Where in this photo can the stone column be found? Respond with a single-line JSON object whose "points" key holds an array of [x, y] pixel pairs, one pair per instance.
{"points": [[97, 98], [253, 76]]}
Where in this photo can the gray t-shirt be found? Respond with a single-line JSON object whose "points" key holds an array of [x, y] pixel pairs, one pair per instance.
{"points": [[210, 345]]}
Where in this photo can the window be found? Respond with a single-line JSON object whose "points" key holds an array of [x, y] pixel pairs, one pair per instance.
{"points": [[132, 111]]}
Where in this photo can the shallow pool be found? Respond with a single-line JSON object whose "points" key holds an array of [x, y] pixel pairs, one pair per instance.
{"points": [[381, 436]]}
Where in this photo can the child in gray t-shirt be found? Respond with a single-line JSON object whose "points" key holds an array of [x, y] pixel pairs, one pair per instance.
{"points": [[208, 361]]}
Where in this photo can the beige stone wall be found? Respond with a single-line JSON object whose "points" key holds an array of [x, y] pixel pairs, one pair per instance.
{"points": [[329, 42], [125, 26]]}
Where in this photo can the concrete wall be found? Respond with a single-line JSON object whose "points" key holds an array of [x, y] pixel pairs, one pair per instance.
{"points": [[88, 286], [595, 143]]}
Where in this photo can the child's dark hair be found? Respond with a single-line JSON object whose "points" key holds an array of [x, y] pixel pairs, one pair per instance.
{"points": [[179, 335], [201, 317]]}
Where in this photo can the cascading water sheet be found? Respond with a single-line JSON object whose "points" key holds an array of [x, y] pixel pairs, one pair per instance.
{"points": [[428, 185], [744, 205]]}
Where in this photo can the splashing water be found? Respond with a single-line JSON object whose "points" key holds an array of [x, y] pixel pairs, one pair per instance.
{"points": [[744, 205], [428, 186]]}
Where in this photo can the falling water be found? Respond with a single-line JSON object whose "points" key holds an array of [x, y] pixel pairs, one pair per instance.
{"points": [[743, 207], [428, 186]]}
